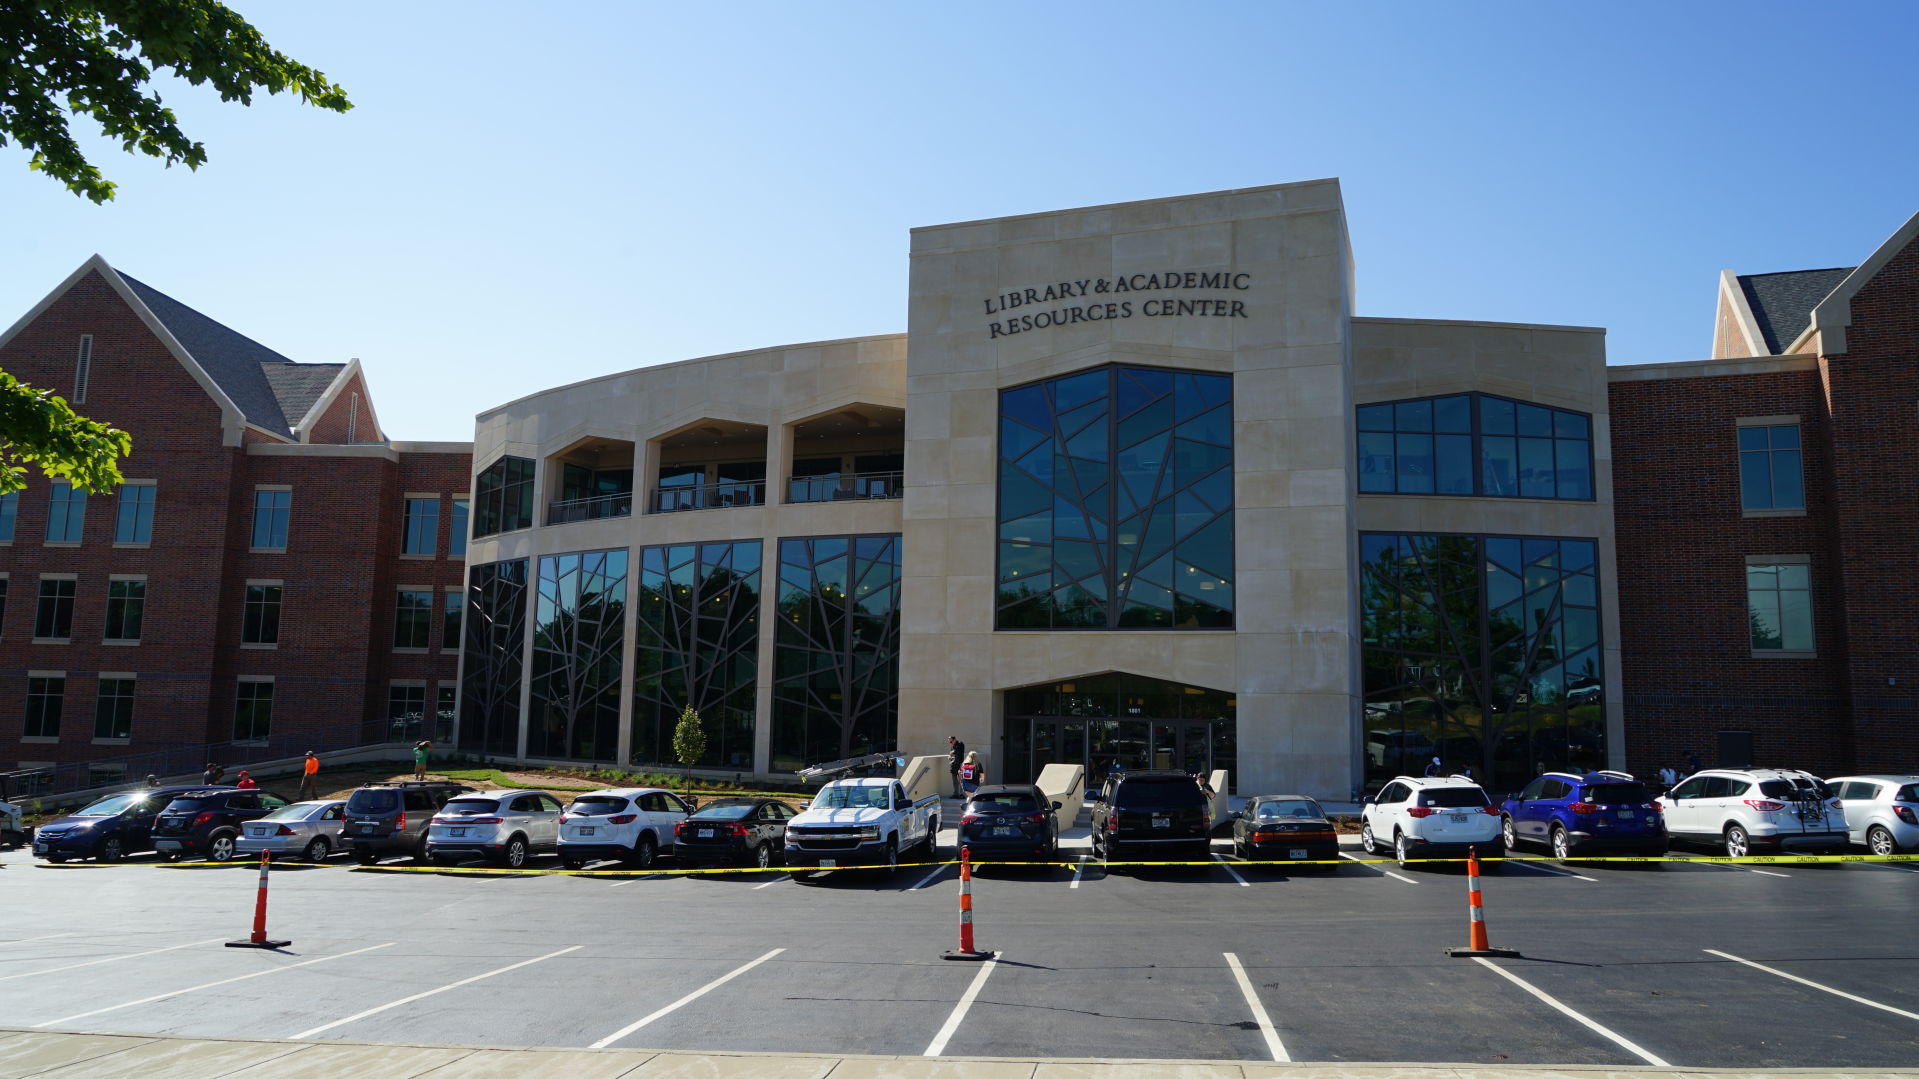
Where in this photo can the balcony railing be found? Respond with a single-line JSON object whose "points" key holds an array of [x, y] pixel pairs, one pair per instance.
{"points": [[852, 485], [590, 509], [710, 496]]}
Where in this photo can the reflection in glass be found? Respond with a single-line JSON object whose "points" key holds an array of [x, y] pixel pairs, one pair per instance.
{"points": [[494, 662], [1427, 446], [836, 649], [578, 633], [697, 643]]}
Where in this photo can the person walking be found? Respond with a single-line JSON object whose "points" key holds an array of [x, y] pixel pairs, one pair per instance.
{"points": [[152, 780], [245, 782], [309, 778], [955, 756], [422, 749], [972, 773], [1434, 769], [211, 775]]}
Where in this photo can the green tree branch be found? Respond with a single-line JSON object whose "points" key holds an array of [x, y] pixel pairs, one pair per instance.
{"points": [[39, 428]]}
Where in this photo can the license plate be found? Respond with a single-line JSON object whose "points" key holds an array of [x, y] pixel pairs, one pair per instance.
{"points": [[366, 829], [704, 833], [39, 848], [827, 863], [166, 844], [1162, 822], [1296, 852], [588, 829], [1005, 831], [456, 831], [1458, 818], [1625, 814]]}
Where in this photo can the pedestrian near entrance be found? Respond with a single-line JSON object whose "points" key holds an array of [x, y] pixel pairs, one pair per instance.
{"points": [[245, 782], [1434, 769], [972, 773], [309, 778], [1669, 777], [212, 775], [422, 749], [955, 756]]}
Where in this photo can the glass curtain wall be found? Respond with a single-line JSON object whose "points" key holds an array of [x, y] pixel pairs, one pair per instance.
{"points": [[579, 629], [1483, 651], [697, 643], [1116, 501], [837, 648], [495, 662]]}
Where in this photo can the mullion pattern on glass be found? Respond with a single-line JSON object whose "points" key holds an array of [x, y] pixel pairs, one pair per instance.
{"points": [[1474, 443], [46, 699], [66, 514], [405, 713], [495, 658], [836, 649], [113, 709], [253, 712], [1481, 651], [271, 510], [503, 497], [1779, 606], [1770, 476], [579, 632], [697, 644], [53, 620], [1116, 497], [126, 605], [135, 521]]}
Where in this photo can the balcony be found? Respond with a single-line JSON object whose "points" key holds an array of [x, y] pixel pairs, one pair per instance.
{"points": [[590, 509], [847, 487], [709, 496]]}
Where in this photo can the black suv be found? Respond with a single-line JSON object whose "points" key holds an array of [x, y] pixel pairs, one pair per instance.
{"points": [[207, 821], [391, 818], [1152, 816], [108, 830]]}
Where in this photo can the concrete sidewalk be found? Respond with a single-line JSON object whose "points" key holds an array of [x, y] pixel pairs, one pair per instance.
{"points": [[62, 1055]]}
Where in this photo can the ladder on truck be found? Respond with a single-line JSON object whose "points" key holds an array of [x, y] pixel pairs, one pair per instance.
{"points": [[839, 768]]}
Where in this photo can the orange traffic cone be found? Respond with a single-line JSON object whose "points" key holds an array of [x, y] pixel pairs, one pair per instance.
{"points": [[966, 950], [1476, 943], [259, 939]]}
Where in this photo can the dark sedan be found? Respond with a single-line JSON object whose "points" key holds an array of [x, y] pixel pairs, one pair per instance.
{"points": [[107, 830], [1284, 828], [1011, 822], [737, 831]]}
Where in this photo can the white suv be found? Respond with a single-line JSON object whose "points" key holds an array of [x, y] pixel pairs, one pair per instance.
{"points": [[1438, 817], [503, 826], [1882, 811], [632, 824], [1756, 809]]}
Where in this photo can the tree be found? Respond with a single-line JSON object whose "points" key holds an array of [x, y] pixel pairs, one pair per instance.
{"points": [[95, 57], [689, 742], [36, 427]]}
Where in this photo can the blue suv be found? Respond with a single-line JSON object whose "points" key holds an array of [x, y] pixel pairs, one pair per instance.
{"points": [[1573, 814]]}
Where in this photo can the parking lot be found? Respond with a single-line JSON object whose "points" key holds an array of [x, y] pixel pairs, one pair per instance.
{"points": [[1622, 965]]}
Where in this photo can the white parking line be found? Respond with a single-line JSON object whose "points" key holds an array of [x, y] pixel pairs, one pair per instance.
{"points": [[1273, 1044], [683, 1001], [1077, 868], [959, 1010], [770, 883], [636, 880], [1729, 865], [1815, 985], [1528, 987], [1228, 867], [305, 1034], [50, 936], [109, 959], [1376, 868], [1552, 870], [928, 879], [209, 985]]}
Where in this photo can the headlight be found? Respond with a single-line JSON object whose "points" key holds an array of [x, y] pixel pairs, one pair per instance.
{"points": [[871, 831]]}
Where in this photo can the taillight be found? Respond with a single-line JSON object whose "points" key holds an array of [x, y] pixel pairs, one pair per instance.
{"points": [[1905, 814], [480, 820], [400, 822], [1835, 804], [1490, 810], [1656, 807], [1112, 823], [739, 830], [283, 830], [1764, 806], [1583, 808], [624, 818], [680, 828], [1036, 818], [564, 817], [1420, 811], [969, 818], [204, 818]]}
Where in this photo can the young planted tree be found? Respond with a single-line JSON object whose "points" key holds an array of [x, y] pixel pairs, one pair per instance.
{"points": [[689, 743]]}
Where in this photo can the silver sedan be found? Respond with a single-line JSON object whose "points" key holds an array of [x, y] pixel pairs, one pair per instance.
{"points": [[308, 829]]}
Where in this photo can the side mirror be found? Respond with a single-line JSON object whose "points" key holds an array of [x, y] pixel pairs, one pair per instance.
{"points": [[1368, 800], [1055, 805], [1513, 797]]}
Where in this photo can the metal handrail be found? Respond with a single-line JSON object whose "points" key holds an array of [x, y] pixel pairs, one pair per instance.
{"points": [[709, 496], [846, 486], [590, 509], [69, 776]]}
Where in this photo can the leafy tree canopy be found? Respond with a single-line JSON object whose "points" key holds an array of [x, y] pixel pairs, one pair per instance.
{"points": [[95, 57], [39, 428]]}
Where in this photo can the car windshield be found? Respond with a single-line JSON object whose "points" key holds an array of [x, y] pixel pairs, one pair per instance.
{"points": [[383, 800], [1289, 808], [1006, 802], [1616, 794], [1452, 797], [727, 809], [470, 807], [1795, 789], [111, 806], [1159, 792], [850, 797], [591, 805]]}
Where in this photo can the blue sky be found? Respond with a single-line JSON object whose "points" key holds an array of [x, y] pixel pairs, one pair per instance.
{"points": [[528, 195]]}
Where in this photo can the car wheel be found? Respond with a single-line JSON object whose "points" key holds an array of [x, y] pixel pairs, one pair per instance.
{"points": [[892, 856], [1402, 848], [763, 856], [1880, 841], [1737, 843], [1508, 834], [1366, 842], [420, 852], [644, 852], [109, 849], [1562, 844], [318, 850], [513, 856], [220, 847]]}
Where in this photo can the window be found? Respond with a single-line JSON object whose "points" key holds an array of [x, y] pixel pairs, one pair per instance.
{"points": [[504, 497], [422, 527], [411, 617], [1769, 468], [253, 712], [443, 718], [260, 619], [270, 512], [83, 369], [135, 523], [450, 621], [1475, 444], [3, 599], [456, 530], [113, 708], [126, 606], [9, 513], [66, 514], [46, 697], [1779, 607], [406, 713], [53, 621]]}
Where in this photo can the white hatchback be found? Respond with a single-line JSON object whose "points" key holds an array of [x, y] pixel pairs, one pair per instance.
{"points": [[1433, 817], [630, 824], [1882, 811]]}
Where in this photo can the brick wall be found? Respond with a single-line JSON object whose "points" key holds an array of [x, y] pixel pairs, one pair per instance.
{"points": [[349, 418]]}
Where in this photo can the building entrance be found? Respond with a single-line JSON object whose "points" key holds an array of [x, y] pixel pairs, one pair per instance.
{"points": [[1115, 722]]}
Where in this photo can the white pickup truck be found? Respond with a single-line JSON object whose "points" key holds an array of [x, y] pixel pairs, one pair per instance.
{"points": [[860, 822]]}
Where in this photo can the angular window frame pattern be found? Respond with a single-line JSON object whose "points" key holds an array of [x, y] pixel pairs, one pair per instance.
{"points": [[1452, 669], [1772, 474], [836, 648], [1779, 607], [579, 636], [1464, 438], [697, 639], [1112, 483], [495, 657], [503, 496]]}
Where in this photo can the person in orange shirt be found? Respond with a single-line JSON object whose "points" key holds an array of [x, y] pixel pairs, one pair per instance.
{"points": [[309, 778]]}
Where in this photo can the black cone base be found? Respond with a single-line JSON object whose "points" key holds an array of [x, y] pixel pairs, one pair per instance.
{"points": [[970, 956], [1490, 953], [250, 943]]}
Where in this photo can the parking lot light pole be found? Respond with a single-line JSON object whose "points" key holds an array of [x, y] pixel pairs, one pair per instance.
{"points": [[259, 937]]}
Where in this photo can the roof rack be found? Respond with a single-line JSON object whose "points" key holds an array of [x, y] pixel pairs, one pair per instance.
{"points": [[1616, 774]]}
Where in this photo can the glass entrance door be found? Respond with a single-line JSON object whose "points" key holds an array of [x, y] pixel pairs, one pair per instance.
{"points": [[1165, 725]]}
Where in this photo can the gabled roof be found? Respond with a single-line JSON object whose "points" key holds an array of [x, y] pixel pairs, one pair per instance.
{"points": [[299, 386], [1832, 316], [1782, 303]]}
